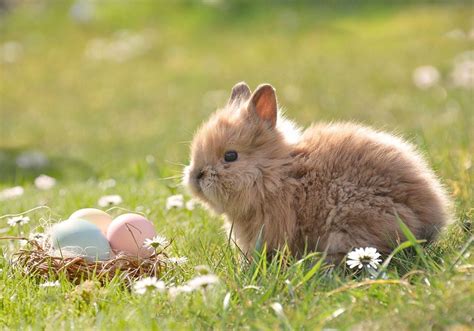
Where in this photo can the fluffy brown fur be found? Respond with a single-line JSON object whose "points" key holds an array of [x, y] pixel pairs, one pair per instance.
{"points": [[335, 187]]}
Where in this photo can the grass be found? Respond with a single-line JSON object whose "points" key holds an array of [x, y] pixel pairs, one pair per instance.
{"points": [[100, 119]]}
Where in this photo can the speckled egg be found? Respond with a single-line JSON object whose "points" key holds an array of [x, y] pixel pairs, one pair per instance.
{"points": [[96, 216], [128, 232], [80, 238]]}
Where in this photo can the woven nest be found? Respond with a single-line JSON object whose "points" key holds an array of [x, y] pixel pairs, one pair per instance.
{"points": [[35, 259]]}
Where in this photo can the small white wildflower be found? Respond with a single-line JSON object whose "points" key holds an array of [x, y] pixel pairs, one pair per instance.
{"points": [[50, 284], [11, 193], [175, 201], [226, 302], [178, 260], [463, 71], [110, 200], [150, 159], [364, 257], [18, 220], [191, 204], [278, 309], [44, 182], [155, 242], [149, 284], [177, 290], [425, 77], [204, 281]]}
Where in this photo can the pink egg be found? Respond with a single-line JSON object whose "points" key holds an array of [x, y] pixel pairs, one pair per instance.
{"points": [[127, 233]]}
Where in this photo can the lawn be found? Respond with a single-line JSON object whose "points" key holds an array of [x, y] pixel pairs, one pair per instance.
{"points": [[105, 99]]}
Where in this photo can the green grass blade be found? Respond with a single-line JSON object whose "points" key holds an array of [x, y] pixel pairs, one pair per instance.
{"points": [[416, 245], [312, 271]]}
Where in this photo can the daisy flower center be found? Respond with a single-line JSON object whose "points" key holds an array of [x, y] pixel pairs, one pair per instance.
{"points": [[365, 260]]}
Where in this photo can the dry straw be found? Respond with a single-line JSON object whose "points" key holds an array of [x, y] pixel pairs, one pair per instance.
{"points": [[36, 260]]}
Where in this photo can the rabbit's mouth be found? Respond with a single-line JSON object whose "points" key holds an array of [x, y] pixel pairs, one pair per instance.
{"points": [[201, 183], [206, 182], [191, 181]]}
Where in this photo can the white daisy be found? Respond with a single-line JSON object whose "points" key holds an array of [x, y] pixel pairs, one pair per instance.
{"points": [[203, 282], [425, 77], [44, 182], [176, 290], [109, 200], [175, 201], [463, 71], [191, 204], [178, 260], [18, 220], [11, 193], [149, 284], [364, 257], [150, 159], [50, 284], [155, 242]]}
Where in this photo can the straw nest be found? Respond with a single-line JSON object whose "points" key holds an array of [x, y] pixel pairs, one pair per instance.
{"points": [[36, 259]]}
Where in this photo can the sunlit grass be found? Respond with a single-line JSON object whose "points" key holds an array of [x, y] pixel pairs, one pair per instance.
{"points": [[132, 121]]}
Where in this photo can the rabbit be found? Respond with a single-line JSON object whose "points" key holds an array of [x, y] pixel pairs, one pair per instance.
{"points": [[331, 188]]}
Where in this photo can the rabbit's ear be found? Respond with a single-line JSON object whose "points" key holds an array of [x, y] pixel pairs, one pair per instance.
{"points": [[264, 104], [240, 92]]}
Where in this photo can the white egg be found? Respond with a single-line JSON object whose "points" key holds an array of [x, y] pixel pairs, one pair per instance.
{"points": [[96, 216]]}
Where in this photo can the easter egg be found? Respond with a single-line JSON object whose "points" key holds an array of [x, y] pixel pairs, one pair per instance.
{"points": [[127, 233], [80, 238], [96, 216]]}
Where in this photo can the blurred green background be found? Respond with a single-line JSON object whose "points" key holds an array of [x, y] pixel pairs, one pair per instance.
{"points": [[114, 88]]}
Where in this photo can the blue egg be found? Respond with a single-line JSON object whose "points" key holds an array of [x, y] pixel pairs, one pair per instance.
{"points": [[81, 238]]}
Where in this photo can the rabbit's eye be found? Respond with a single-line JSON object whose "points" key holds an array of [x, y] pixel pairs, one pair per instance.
{"points": [[230, 156]]}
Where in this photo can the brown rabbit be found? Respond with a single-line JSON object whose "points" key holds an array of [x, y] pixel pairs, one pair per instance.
{"points": [[333, 187]]}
